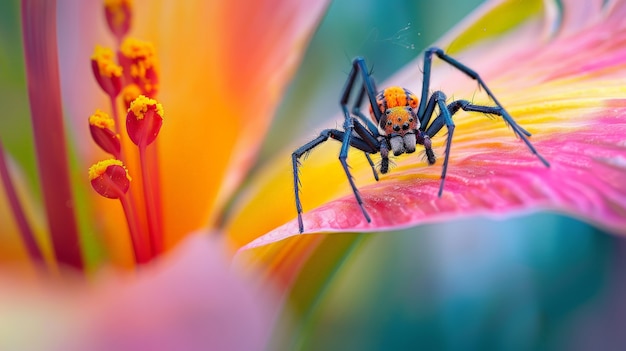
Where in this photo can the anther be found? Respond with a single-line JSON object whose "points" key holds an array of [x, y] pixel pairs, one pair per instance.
{"points": [[109, 178], [108, 74], [144, 120], [118, 15], [101, 126], [139, 61]]}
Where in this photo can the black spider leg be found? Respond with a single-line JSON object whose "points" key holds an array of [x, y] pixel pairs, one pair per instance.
{"points": [[369, 89], [358, 67], [356, 110], [368, 144], [422, 137], [373, 129], [444, 118], [441, 120], [517, 129]]}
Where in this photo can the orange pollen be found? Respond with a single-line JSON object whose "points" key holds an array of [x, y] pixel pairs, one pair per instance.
{"points": [[105, 59], [100, 168], [140, 105], [102, 120]]}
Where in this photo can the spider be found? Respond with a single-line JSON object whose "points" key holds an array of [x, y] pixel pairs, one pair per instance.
{"points": [[399, 122]]}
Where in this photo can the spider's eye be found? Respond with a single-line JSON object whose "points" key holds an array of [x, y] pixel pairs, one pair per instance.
{"points": [[410, 119], [399, 119], [388, 112], [388, 123]]}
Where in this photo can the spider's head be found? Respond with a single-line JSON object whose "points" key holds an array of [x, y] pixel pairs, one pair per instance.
{"points": [[399, 120]]}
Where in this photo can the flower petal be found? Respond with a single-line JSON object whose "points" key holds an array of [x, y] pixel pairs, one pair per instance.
{"points": [[223, 70], [568, 92], [191, 299]]}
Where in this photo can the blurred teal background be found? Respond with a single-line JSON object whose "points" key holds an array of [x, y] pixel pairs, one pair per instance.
{"points": [[534, 282]]}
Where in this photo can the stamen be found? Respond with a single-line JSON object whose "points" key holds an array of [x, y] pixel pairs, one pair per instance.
{"points": [[118, 14], [110, 179], [108, 73], [144, 120], [138, 58], [143, 123], [101, 126]]}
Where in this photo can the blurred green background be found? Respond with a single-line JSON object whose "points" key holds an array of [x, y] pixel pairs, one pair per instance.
{"points": [[535, 282]]}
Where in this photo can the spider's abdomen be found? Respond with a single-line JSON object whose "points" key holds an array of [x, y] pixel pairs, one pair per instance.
{"points": [[396, 97], [398, 108]]}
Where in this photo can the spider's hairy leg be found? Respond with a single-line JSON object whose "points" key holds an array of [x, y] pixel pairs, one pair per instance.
{"points": [[423, 137], [334, 134], [444, 118], [517, 129], [295, 161], [369, 160], [384, 154], [369, 139], [348, 126], [356, 110], [368, 89]]}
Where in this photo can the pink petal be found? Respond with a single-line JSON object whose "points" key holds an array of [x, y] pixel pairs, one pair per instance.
{"points": [[191, 299]]}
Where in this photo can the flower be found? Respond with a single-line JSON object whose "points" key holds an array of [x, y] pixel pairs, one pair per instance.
{"points": [[199, 165], [188, 168], [197, 179]]}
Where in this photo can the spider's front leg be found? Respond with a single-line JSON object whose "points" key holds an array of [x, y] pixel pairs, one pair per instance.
{"points": [[517, 129], [445, 118], [365, 139]]}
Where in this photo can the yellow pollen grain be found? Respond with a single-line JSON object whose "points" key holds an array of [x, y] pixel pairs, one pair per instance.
{"points": [[140, 105], [104, 57], [99, 168], [102, 120], [138, 49]]}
